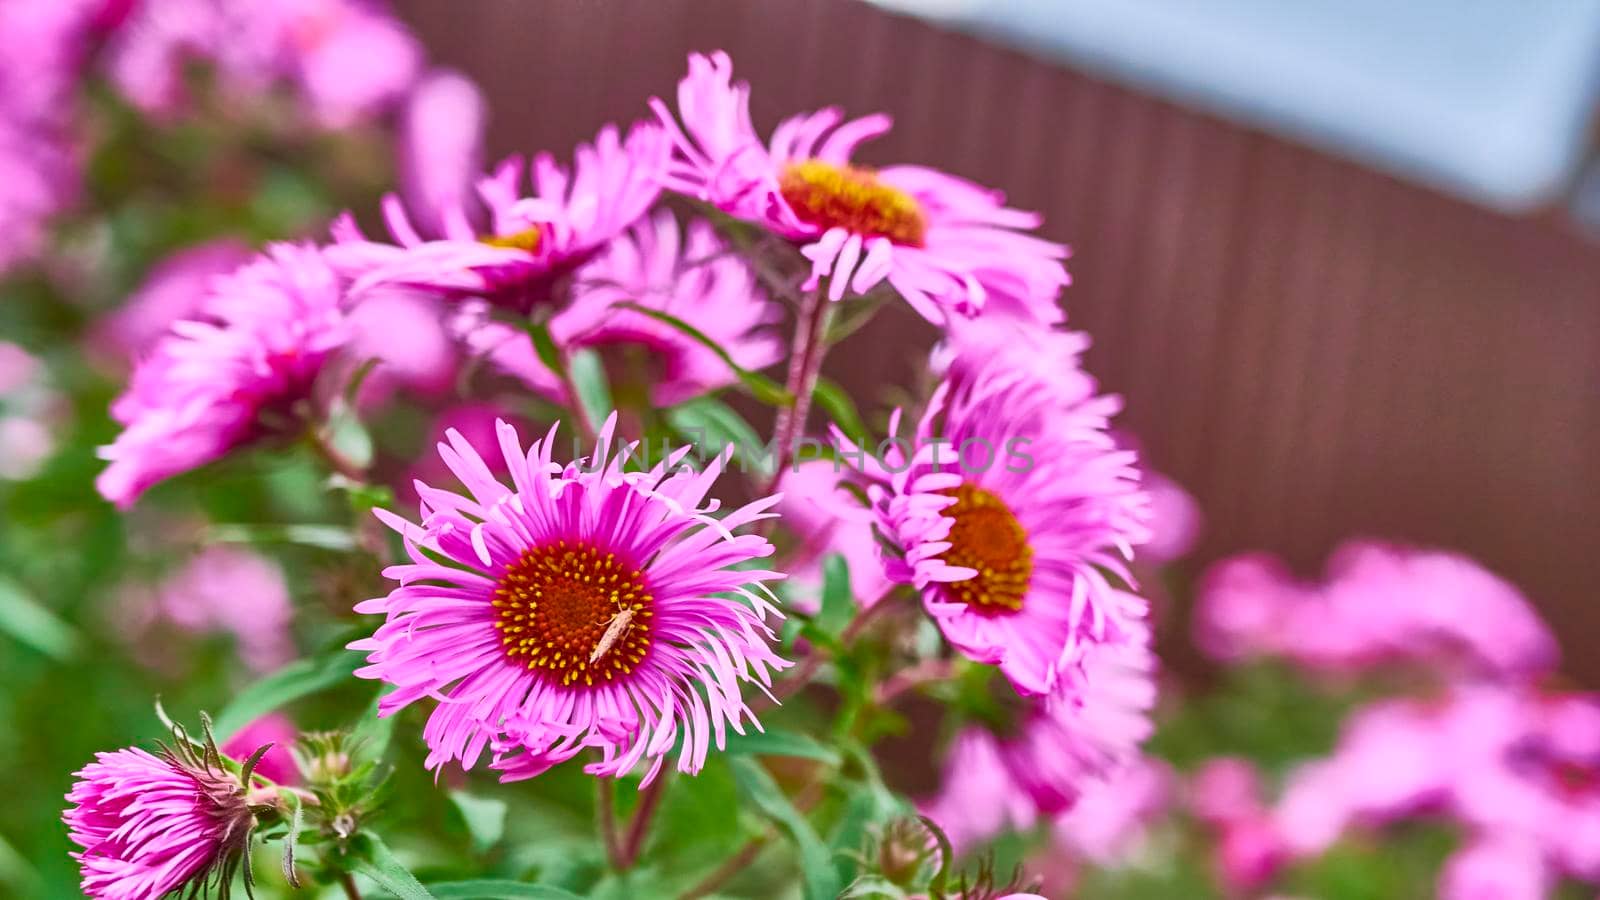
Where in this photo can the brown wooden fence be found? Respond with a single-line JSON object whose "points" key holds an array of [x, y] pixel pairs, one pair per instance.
{"points": [[1316, 350]]}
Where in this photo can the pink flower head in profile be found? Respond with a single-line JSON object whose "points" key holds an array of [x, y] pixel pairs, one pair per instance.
{"points": [[528, 244], [348, 60], [1059, 746], [827, 522], [173, 291], [1377, 603], [236, 373], [441, 148], [949, 247], [686, 273], [1007, 507], [149, 824], [583, 607]]}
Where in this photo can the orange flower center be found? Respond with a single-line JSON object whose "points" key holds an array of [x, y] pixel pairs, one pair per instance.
{"points": [[987, 537], [573, 613], [853, 198], [526, 240]]}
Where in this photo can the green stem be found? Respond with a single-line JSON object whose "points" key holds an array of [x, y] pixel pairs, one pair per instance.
{"points": [[805, 363], [649, 801], [606, 802]]}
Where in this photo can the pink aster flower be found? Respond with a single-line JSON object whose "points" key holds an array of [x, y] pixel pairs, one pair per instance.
{"points": [[1060, 746], [150, 824], [1009, 506], [582, 607], [528, 244], [688, 274], [237, 373], [1377, 603], [948, 246], [173, 291]]}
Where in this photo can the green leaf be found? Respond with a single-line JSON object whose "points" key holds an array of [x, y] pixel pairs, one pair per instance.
{"points": [[352, 387], [588, 377], [298, 679], [545, 346], [715, 425], [777, 742], [873, 886], [346, 434], [756, 785], [833, 398], [373, 732], [498, 889], [485, 818], [322, 537], [375, 860], [296, 821], [25, 619], [760, 386], [838, 603]]}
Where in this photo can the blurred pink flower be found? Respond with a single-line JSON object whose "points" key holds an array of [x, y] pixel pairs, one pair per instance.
{"points": [[1110, 823], [1225, 788], [18, 368], [405, 331], [1496, 868], [174, 290], [1514, 766], [946, 245], [230, 377], [529, 243], [1377, 603], [1061, 746], [43, 47], [475, 423], [347, 59], [441, 149], [1176, 521], [25, 443], [225, 589], [1226, 795], [690, 274], [277, 765], [827, 521]]}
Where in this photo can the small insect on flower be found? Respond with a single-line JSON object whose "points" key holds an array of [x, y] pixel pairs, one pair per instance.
{"points": [[615, 629]]}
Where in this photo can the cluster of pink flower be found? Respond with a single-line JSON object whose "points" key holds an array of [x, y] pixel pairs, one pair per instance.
{"points": [[1515, 766], [344, 60], [589, 607]]}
